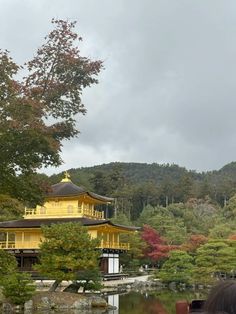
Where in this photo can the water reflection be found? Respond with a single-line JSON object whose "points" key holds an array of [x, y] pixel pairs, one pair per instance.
{"points": [[145, 302], [152, 302], [140, 303], [114, 301]]}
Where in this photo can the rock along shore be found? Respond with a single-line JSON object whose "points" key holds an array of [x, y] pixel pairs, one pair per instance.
{"points": [[89, 303]]}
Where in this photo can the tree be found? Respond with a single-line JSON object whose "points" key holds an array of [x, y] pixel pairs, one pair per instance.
{"points": [[134, 257], [66, 249], [178, 268], [170, 227], [99, 182], [10, 208], [156, 246], [121, 219], [90, 279], [212, 258], [8, 264], [38, 112], [230, 210], [18, 288], [147, 213], [199, 215], [222, 230], [194, 242], [185, 187], [143, 194]]}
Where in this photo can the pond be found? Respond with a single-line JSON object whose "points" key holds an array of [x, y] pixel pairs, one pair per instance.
{"points": [[152, 302], [146, 302]]}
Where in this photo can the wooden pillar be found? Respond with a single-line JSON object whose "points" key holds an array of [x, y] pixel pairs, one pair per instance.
{"points": [[106, 211], [102, 239], [21, 261], [108, 239], [82, 208], [113, 239], [22, 239], [7, 240]]}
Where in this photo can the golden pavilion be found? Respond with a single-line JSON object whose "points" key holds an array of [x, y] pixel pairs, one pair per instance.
{"points": [[66, 202]]}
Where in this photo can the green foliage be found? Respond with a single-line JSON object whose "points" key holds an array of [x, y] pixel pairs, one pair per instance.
{"points": [[222, 230], [230, 210], [165, 223], [8, 264], [10, 208], [199, 215], [67, 248], [90, 279], [132, 258], [30, 188], [216, 256], [18, 288], [121, 219], [178, 268]]}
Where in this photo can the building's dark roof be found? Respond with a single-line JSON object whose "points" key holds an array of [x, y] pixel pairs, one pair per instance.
{"points": [[37, 223], [67, 189]]}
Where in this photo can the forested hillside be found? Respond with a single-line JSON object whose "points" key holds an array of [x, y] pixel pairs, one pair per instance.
{"points": [[135, 185]]}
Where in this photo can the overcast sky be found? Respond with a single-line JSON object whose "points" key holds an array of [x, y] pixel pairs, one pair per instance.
{"points": [[168, 91]]}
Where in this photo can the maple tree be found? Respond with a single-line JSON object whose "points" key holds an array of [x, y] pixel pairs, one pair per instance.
{"points": [[232, 237], [156, 247], [39, 111], [195, 241]]}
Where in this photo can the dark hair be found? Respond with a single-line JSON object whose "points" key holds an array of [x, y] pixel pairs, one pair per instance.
{"points": [[222, 298]]}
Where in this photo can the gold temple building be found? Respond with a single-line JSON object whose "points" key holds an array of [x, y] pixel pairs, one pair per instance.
{"points": [[66, 202]]}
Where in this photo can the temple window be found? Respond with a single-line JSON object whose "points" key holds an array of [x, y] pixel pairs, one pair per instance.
{"points": [[79, 207], [27, 237], [116, 237], [42, 210], [3, 236], [70, 209]]}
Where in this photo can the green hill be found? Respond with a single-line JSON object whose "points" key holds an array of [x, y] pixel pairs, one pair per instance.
{"points": [[142, 183]]}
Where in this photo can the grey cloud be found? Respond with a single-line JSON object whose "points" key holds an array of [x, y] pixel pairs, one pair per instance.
{"points": [[167, 93]]}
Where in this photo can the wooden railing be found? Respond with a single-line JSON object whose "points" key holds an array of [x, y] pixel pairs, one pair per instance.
{"points": [[35, 245], [114, 245], [19, 245], [92, 213], [63, 212], [7, 245]]}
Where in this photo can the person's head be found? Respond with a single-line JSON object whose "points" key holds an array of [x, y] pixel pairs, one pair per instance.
{"points": [[222, 298]]}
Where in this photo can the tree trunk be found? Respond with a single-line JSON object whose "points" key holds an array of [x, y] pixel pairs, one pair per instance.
{"points": [[54, 286]]}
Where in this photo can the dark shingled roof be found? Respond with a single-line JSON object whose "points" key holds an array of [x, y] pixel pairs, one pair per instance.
{"points": [[67, 189], [37, 223]]}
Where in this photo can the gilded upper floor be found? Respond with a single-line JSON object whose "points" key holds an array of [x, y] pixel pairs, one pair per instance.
{"points": [[64, 208], [65, 199]]}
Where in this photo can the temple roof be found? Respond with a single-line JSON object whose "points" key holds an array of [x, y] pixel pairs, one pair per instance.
{"points": [[66, 188], [37, 223]]}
